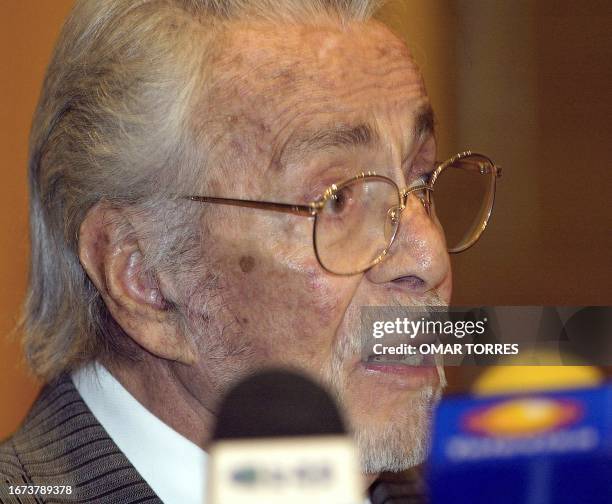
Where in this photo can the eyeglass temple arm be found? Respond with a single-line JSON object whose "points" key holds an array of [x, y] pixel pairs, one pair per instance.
{"points": [[304, 210]]}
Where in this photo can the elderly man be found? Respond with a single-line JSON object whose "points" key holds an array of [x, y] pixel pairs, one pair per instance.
{"points": [[203, 205]]}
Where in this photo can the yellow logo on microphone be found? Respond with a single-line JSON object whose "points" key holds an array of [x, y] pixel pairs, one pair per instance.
{"points": [[523, 417]]}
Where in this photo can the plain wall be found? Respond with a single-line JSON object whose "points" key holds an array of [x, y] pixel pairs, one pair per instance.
{"points": [[28, 31]]}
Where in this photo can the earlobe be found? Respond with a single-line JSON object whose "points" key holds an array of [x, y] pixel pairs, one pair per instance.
{"points": [[115, 264]]}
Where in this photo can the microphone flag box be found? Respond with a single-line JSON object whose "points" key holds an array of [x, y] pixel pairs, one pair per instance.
{"points": [[540, 448]]}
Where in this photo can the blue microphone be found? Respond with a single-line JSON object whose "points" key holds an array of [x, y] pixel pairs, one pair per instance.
{"points": [[534, 447]]}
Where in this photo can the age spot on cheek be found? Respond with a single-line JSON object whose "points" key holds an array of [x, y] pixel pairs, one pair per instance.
{"points": [[247, 263]]}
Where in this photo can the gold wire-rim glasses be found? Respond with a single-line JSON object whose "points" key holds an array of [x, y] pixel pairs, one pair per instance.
{"points": [[312, 209]]}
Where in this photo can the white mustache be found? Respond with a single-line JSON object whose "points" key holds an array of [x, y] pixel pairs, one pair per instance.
{"points": [[350, 346]]}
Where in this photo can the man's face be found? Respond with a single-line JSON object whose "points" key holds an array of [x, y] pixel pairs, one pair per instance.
{"points": [[267, 300]]}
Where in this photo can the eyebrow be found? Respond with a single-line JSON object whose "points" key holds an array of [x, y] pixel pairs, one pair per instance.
{"points": [[351, 136], [338, 136]]}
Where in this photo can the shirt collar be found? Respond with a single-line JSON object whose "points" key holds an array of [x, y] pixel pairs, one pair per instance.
{"points": [[173, 466]]}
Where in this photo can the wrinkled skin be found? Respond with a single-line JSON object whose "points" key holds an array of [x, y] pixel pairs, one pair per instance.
{"points": [[264, 299], [276, 304]]}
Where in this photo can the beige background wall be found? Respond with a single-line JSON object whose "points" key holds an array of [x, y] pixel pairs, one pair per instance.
{"points": [[534, 91], [527, 82], [27, 31]]}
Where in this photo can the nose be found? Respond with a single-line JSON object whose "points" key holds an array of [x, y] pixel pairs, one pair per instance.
{"points": [[415, 191], [417, 260]]}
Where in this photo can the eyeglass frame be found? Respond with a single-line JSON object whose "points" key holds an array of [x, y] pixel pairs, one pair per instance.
{"points": [[312, 209]]}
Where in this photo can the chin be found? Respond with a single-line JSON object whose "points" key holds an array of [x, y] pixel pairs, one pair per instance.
{"points": [[400, 439], [388, 412], [391, 425]]}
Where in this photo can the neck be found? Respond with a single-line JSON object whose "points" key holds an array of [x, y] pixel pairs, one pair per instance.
{"points": [[154, 383]]}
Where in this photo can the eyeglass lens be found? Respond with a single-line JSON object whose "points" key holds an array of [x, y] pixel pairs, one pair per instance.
{"points": [[354, 227], [358, 222], [462, 200]]}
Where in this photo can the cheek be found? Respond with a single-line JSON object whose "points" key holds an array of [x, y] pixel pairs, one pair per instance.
{"points": [[293, 289], [246, 263], [285, 303]]}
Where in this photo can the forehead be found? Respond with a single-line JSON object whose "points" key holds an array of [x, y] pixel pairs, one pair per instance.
{"points": [[276, 80], [314, 50]]}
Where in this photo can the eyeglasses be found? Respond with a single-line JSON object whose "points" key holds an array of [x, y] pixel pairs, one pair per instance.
{"points": [[356, 221]]}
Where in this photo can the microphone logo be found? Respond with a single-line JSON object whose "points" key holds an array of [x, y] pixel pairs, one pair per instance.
{"points": [[520, 417], [272, 475]]}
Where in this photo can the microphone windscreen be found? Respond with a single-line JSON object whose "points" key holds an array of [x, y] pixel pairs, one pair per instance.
{"points": [[277, 403]]}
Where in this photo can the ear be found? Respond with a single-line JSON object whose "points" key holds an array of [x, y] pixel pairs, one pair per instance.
{"points": [[114, 263]]}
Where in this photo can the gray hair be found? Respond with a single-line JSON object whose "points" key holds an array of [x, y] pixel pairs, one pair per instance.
{"points": [[113, 125]]}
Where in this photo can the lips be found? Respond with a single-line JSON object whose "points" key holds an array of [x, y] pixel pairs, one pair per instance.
{"points": [[399, 350], [418, 360], [401, 370], [404, 372], [400, 376]]}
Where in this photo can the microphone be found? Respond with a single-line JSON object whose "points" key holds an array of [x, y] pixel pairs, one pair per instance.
{"points": [[520, 444], [280, 438]]}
